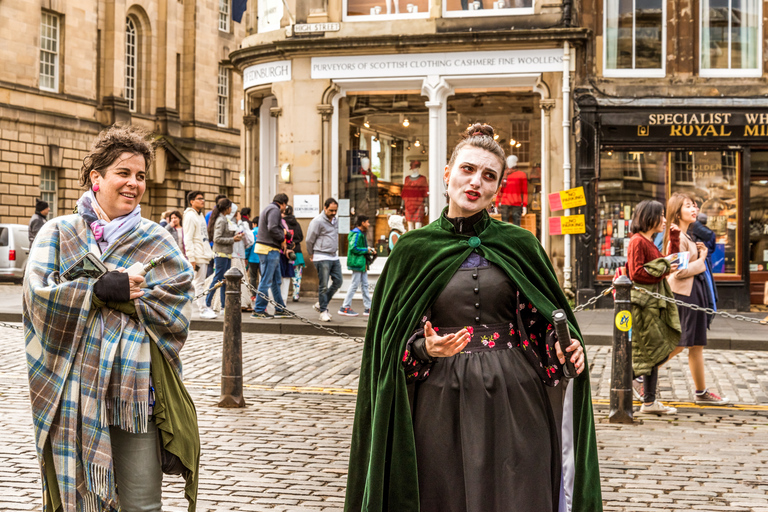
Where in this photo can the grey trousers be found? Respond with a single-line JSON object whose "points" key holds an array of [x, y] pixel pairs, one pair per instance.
{"points": [[138, 473]]}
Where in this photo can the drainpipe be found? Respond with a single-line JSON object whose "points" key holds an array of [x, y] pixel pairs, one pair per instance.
{"points": [[567, 155]]}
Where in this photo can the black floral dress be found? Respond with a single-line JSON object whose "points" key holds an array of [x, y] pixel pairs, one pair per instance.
{"points": [[487, 435]]}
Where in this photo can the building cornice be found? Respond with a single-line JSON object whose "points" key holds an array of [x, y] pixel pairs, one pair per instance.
{"points": [[405, 43]]}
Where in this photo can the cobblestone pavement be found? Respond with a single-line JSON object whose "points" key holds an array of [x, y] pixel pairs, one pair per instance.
{"points": [[287, 449]]}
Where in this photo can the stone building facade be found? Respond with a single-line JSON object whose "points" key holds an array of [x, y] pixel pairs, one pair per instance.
{"points": [[71, 68], [354, 99], [671, 98]]}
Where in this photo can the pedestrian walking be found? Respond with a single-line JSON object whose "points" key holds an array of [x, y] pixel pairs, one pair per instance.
{"points": [[688, 285], [245, 216], [199, 251], [270, 240], [176, 230], [699, 232], [224, 237], [461, 402], [298, 264], [38, 219], [323, 250], [239, 257], [103, 346], [396, 228], [512, 200], [253, 264], [655, 323], [357, 261]]}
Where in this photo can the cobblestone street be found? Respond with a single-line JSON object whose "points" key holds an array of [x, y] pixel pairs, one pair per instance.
{"points": [[287, 449]]}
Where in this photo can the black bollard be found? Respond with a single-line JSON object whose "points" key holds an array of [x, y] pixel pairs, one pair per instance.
{"points": [[232, 347], [621, 376]]}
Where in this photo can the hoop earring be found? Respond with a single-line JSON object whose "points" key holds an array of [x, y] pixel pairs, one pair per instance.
{"points": [[95, 187]]}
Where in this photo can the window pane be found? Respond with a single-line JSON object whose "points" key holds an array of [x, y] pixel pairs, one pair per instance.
{"points": [[711, 177], [626, 178], [500, 6], [377, 7], [618, 37], [744, 32], [714, 35], [648, 34], [130, 64], [49, 47]]}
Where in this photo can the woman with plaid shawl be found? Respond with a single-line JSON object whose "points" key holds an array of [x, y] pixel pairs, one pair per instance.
{"points": [[110, 412]]}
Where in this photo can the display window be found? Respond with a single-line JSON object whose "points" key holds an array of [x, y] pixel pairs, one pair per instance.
{"points": [[383, 171], [517, 125], [758, 226], [366, 10], [463, 8], [628, 177]]}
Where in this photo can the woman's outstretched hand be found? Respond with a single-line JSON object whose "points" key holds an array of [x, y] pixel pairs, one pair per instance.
{"points": [[444, 346], [577, 354], [136, 283]]}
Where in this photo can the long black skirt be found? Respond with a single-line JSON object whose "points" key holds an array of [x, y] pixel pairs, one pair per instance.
{"points": [[693, 324], [486, 437]]}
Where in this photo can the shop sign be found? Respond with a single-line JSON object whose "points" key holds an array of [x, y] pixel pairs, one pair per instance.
{"points": [[313, 28], [423, 64], [571, 198], [685, 126], [568, 225], [306, 207], [270, 13], [267, 73]]}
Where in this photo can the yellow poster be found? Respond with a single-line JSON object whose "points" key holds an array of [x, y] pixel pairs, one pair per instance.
{"points": [[571, 198], [624, 320]]}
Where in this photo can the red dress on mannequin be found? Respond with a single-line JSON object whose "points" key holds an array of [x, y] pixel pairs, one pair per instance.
{"points": [[414, 192]]}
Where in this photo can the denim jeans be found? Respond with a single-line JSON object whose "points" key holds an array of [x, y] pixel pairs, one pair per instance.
{"points": [[222, 265], [325, 269], [515, 212], [359, 279], [138, 473], [270, 280]]}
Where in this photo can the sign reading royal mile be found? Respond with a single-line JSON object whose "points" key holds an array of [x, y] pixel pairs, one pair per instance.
{"points": [[267, 73], [423, 64], [691, 125]]}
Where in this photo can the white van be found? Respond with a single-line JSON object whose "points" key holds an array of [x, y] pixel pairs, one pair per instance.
{"points": [[14, 249]]}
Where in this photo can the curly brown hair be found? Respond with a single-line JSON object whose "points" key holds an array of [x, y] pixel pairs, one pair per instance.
{"points": [[113, 142], [480, 136]]}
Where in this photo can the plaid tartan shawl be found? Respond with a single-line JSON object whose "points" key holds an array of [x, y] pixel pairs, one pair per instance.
{"points": [[90, 368]]}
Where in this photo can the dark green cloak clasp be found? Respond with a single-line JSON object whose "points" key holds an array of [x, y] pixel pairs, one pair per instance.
{"points": [[382, 467]]}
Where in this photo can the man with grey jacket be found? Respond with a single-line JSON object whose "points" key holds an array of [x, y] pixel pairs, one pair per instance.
{"points": [[323, 248], [270, 240]]}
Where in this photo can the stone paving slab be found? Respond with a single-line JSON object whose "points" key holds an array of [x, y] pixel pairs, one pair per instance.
{"points": [[287, 451]]}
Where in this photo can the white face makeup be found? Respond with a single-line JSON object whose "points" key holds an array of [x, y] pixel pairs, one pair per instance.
{"points": [[472, 181], [122, 186]]}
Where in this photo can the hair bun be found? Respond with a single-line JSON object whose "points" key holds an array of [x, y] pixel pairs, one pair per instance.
{"points": [[478, 130]]}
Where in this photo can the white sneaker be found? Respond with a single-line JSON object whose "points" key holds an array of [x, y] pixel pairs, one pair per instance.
{"points": [[208, 314], [325, 316], [316, 305], [657, 408]]}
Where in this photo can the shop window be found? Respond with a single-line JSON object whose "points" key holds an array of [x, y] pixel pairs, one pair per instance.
{"points": [[758, 225], [635, 38], [464, 8], [520, 140], [49, 52], [384, 138], [731, 36], [711, 177], [370, 10], [619, 191], [48, 189]]}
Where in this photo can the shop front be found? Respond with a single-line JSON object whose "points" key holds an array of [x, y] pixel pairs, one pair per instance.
{"points": [[719, 155]]}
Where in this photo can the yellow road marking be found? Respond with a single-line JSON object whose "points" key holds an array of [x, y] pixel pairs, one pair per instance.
{"points": [[693, 405]]}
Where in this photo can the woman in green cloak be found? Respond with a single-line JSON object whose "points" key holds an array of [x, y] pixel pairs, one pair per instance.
{"points": [[462, 404]]}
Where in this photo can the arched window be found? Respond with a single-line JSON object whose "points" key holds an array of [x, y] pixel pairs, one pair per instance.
{"points": [[131, 63]]}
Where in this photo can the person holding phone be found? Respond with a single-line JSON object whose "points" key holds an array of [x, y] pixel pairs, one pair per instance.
{"points": [[655, 323], [103, 349], [688, 285], [461, 399]]}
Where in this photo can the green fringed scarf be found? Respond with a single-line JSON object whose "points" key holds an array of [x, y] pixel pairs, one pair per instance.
{"points": [[382, 467]]}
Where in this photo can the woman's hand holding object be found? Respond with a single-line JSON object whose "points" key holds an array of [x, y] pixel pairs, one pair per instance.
{"points": [[136, 283], [444, 346], [577, 356]]}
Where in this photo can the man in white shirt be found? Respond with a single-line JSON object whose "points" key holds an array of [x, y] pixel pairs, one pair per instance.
{"points": [[199, 252]]}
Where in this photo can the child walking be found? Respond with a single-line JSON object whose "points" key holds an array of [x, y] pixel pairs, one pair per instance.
{"points": [[357, 262]]}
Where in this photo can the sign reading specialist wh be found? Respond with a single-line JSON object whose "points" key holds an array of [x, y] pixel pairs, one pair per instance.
{"points": [[267, 73], [423, 64]]}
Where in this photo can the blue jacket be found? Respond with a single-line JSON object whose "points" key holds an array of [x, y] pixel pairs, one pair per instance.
{"points": [[250, 254]]}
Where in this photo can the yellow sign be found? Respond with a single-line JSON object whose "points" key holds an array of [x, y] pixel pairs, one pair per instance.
{"points": [[624, 320], [571, 198], [568, 225]]}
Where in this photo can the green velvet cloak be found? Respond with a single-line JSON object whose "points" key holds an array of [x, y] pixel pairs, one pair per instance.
{"points": [[382, 466]]}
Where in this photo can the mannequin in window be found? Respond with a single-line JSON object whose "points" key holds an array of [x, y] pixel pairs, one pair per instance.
{"points": [[415, 196], [397, 6], [512, 198], [364, 194]]}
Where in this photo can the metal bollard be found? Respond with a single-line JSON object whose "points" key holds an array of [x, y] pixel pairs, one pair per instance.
{"points": [[621, 376], [232, 347]]}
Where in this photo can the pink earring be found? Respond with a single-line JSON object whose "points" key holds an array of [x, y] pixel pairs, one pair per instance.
{"points": [[95, 187]]}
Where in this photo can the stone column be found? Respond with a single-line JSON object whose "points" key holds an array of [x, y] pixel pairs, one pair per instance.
{"points": [[250, 122], [437, 90]]}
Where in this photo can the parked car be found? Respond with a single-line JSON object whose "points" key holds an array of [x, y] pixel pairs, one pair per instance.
{"points": [[14, 249]]}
